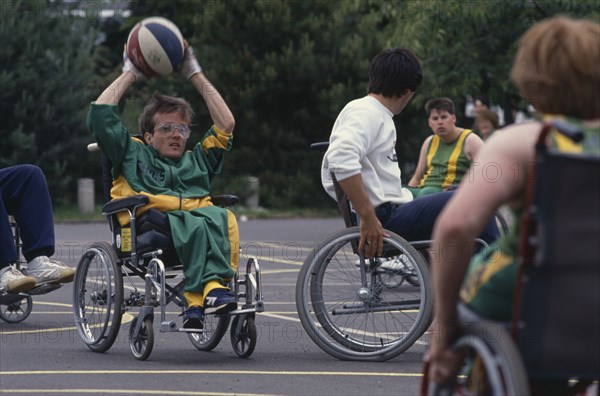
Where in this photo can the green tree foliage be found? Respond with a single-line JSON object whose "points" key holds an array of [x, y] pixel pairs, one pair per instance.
{"points": [[45, 76], [286, 68], [467, 47]]}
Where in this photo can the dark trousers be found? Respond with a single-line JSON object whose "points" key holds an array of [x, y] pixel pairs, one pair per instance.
{"points": [[414, 220], [24, 195]]}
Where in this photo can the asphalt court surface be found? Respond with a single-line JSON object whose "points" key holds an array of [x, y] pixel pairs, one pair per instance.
{"points": [[44, 354]]}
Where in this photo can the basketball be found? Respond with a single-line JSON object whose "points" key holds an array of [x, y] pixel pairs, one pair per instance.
{"points": [[155, 46]]}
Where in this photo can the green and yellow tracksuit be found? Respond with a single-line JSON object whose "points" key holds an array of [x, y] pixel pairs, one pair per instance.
{"points": [[205, 236]]}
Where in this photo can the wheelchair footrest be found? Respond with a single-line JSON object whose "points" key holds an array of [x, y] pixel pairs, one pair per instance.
{"points": [[257, 308], [182, 330], [44, 289], [170, 326]]}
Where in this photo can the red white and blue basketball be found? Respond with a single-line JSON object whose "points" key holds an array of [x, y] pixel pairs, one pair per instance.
{"points": [[155, 46]]}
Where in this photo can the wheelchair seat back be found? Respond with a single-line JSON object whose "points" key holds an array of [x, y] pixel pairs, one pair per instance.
{"points": [[348, 214], [558, 324], [152, 230]]}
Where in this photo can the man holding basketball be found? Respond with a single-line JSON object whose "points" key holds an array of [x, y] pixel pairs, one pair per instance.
{"points": [[177, 181]]}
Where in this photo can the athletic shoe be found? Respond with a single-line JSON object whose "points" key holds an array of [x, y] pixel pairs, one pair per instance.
{"points": [[220, 301], [193, 318], [45, 270], [400, 265], [13, 281]]}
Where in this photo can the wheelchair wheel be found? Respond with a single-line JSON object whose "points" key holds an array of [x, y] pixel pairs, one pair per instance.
{"points": [[98, 297], [492, 364], [15, 308], [372, 314], [141, 346], [215, 328], [243, 335]]}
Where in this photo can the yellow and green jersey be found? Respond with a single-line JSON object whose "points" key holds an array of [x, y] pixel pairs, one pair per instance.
{"points": [[447, 163], [489, 285]]}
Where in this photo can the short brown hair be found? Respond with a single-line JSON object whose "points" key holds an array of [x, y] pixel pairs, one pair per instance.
{"points": [[439, 104], [556, 67], [163, 104], [488, 115]]}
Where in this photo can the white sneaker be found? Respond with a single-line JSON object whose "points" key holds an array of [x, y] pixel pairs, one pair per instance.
{"points": [[13, 281], [45, 270], [394, 264], [400, 265]]}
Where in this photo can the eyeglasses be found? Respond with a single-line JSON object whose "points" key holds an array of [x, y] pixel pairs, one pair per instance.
{"points": [[168, 127]]}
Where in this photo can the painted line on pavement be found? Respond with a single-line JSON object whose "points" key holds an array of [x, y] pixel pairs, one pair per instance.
{"points": [[122, 391], [213, 372]]}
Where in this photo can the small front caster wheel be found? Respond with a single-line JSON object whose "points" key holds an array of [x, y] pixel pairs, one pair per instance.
{"points": [[243, 335]]}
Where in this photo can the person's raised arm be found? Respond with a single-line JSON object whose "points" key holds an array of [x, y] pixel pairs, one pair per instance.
{"points": [[116, 90], [217, 107]]}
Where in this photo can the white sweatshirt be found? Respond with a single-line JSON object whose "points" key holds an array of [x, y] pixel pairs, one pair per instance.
{"points": [[363, 142]]}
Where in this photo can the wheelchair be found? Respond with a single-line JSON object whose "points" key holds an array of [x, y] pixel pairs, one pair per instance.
{"points": [[554, 336], [16, 307], [144, 249], [356, 308]]}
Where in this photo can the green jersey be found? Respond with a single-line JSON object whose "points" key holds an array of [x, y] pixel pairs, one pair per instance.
{"points": [[447, 163]]}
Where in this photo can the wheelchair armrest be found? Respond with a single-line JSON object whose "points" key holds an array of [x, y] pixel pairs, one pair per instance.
{"points": [[225, 201], [319, 146], [124, 203]]}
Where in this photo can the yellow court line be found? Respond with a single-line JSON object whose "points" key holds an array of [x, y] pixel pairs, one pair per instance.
{"points": [[213, 372], [54, 304], [123, 391]]}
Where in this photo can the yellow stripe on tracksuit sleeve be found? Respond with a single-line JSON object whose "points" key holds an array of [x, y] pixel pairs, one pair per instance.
{"points": [[473, 283], [451, 174], [565, 144], [433, 146], [220, 140], [122, 189]]}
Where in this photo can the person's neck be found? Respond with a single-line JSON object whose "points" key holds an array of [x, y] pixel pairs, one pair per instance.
{"points": [[453, 136], [393, 104]]}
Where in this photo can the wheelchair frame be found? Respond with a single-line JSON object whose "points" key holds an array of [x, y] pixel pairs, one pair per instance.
{"points": [[532, 349], [355, 308], [16, 307], [98, 292], [382, 310]]}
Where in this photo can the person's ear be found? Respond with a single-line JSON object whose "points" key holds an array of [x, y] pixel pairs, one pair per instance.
{"points": [[148, 138]]}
